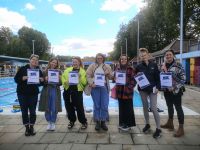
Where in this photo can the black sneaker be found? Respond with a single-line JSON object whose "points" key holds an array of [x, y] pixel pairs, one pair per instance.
{"points": [[70, 125], [146, 128], [157, 133], [125, 128]]}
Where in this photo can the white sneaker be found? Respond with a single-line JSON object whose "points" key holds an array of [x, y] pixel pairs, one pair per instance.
{"points": [[53, 126], [49, 126]]}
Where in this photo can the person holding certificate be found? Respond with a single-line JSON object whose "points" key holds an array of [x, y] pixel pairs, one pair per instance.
{"points": [[50, 97], [148, 80], [74, 81], [28, 78], [98, 75], [173, 94], [125, 83]]}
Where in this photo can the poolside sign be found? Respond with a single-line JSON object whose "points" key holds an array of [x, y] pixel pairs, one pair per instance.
{"points": [[33, 76], [53, 76]]}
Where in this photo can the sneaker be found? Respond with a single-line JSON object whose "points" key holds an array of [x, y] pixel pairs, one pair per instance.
{"points": [[120, 126], [49, 126], [146, 128], [53, 126], [157, 133], [125, 128], [84, 126], [70, 125]]}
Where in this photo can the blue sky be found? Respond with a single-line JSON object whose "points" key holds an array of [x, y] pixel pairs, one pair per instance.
{"points": [[73, 27]]}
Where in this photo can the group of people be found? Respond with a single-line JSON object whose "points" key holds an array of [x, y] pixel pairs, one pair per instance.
{"points": [[97, 77]]}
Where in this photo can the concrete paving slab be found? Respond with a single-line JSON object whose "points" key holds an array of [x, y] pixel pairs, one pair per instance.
{"points": [[169, 139], [34, 147], [30, 139], [191, 139], [75, 138], [121, 138], [144, 139], [10, 146], [109, 147], [161, 147], [59, 147], [84, 147], [135, 147], [52, 138], [98, 138], [11, 128], [183, 147], [10, 137]]}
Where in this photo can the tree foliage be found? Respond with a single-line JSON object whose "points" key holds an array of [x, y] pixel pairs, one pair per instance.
{"points": [[159, 24], [21, 45]]}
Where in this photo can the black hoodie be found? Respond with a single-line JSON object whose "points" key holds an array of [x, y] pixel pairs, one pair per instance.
{"points": [[22, 86]]}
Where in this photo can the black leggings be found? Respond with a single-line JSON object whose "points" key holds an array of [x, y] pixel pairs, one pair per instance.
{"points": [[176, 100]]}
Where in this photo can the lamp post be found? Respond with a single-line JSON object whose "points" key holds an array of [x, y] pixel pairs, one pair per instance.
{"points": [[138, 40], [126, 45], [181, 32], [33, 45]]}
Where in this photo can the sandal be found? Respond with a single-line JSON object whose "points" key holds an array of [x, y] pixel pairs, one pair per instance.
{"points": [[70, 125], [84, 126]]}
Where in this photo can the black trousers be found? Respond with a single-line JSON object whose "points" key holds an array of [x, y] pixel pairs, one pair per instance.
{"points": [[74, 103], [28, 103], [126, 113], [176, 100]]}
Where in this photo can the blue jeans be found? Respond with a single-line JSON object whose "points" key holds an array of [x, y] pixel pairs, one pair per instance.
{"points": [[51, 115], [28, 104], [100, 98]]}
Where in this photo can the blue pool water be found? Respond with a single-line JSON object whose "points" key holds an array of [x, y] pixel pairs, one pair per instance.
{"points": [[8, 96]]}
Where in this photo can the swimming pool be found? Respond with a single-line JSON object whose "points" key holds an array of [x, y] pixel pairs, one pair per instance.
{"points": [[8, 96]]}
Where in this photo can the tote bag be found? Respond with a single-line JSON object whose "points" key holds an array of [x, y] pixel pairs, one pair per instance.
{"points": [[114, 93]]}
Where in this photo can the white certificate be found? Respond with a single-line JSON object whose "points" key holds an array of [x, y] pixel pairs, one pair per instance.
{"points": [[166, 79], [53, 76], [142, 80], [73, 78], [33, 76], [120, 77], [99, 79]]}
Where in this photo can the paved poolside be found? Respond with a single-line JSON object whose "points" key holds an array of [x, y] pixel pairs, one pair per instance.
{"points": [[12, 133]]}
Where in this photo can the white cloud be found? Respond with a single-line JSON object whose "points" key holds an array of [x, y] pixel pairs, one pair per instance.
{"points": [[121, 5], [63, 8], [49, 0], [29, 6], [83, 47], [102, 21], [12, 19]]}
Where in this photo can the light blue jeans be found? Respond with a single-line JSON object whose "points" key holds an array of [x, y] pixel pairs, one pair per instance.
{"points": [[100, 98], [51, 115]]}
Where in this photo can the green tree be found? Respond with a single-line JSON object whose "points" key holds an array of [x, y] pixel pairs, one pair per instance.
{"points": [[41, 43]]}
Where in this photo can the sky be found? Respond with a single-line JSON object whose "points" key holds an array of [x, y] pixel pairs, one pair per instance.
{"points": [[73, 27]]}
